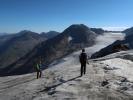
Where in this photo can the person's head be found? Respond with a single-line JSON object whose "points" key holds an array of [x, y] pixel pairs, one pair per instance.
{"points": [[83, 50]]}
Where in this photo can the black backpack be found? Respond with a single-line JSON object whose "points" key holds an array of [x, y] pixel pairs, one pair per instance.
{"points": [[83, 57]]}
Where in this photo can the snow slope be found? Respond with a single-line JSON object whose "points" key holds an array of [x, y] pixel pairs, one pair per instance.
{"points": [[124, 67], [62, 82], [107, 78]]}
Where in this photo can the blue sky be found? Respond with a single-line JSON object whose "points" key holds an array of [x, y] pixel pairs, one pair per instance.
{"points": [[45, 15]]}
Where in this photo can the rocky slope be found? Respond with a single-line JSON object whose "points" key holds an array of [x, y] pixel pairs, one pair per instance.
{"points": [[128, 31]]}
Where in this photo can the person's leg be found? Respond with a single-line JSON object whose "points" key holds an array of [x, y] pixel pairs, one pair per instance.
{"points": [[84, 68], [81, 69], [37, 74], [40, 73]]}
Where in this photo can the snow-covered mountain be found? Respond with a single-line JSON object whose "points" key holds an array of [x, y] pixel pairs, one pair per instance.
{"points": [[107, 78]]}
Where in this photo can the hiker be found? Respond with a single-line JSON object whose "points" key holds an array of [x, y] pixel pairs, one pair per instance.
{"points": [[38, 69], [83, 60]]}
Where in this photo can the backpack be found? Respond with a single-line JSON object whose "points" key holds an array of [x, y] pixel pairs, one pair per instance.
{"points": [[83, 57], [37, 67]]}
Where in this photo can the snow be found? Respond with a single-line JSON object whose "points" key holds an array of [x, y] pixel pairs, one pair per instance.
{"points": [[124, 67], [62, 81]]}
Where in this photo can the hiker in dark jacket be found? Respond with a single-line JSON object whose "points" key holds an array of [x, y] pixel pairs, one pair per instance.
{"points": [[38, 68], [83, 60]]}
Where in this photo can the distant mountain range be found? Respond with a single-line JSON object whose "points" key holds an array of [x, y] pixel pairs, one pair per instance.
{"points": [[125, 44], [72, 39], [15, 46], [3, 34]]}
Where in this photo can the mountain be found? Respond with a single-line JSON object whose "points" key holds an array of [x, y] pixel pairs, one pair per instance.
{"points": [[72, 39], [15, 46], [128, 31], [125, 44], [4, 38], [129, 37], [107, 78], [50, 34]]}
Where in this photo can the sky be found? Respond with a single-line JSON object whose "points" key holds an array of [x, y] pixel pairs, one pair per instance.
{"points": [[46, 15]]}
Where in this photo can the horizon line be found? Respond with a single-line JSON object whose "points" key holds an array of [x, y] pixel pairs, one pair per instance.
{"points": [[106, 28]]}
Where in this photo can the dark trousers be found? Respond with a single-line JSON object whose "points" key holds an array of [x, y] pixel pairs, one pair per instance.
{"points": [[83, 68], [39, 74]]}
